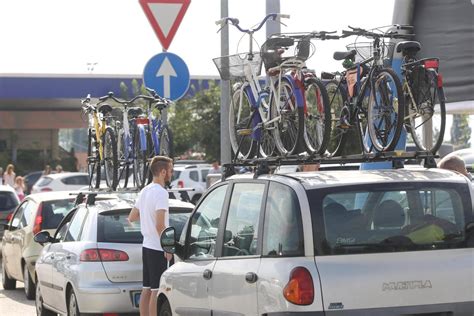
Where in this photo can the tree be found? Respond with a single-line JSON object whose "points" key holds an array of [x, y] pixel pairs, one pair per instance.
{"points": [[460, 131]]}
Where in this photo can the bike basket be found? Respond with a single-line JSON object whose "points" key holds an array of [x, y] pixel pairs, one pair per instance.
{"points": [[421, 84], [233, 66], [365, 50]]}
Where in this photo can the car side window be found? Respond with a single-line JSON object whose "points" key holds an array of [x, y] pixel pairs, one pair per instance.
{"points": [[283, 228], [75, 227], [17, 217], [29, 213], [76, 180], [204, 173], [204, 224], [193, 175], [241, 231]]}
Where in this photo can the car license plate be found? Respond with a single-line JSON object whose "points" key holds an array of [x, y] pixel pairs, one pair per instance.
{"points": [[136, 299]]}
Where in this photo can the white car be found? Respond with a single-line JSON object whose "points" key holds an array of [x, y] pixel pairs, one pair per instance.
{"points": [[372, 242], [65, 181], [191, 176]]}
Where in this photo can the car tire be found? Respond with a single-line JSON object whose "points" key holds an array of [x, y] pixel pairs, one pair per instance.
{"points": [[165, 309], [40, 309], [72, 306], [195, 198], [29, 285], [8, 284]]}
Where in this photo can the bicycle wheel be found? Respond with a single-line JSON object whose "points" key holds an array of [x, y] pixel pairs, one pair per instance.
{"points": [[124, 164], [317, 117], [290, 127], [425, 122], [110, 156], [93, 160], [166, 141], [240, 125], [140, 168], [337, 99], [385, 110]]}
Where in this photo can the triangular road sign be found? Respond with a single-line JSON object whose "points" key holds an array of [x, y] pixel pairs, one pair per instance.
{"points": [[165, 17]]}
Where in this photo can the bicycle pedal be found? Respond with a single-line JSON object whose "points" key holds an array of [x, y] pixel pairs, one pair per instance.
{"points": [[244, 132]]}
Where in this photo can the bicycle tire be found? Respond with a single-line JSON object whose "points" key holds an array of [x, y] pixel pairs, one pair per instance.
{"points": [[425, 113], [166, 141], [140, 168], [110, 156], [93, 160], [317, 117], [239, 123], [289, 129], [124, 167], [337, 99], [385, 110]]}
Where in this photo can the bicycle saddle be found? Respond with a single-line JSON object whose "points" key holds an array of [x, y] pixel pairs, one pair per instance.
{"points": [[135, 112], [408, 47], [277, 42], [105, 108], [344, 55], [160, 106]]}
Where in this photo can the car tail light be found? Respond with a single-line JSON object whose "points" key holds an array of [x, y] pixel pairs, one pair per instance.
{"points": [[106, 255], [300, 289], [46, 190], [431, 63], [38, 219], [180, 184], [9, 217]]}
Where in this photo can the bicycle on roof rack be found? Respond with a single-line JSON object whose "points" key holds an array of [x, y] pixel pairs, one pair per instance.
{"points": [[367, 97], [261, 119], [424, 95]]}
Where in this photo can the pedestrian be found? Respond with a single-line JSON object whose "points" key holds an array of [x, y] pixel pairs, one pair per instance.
{"points": [[454, 163], [9, 176], [47, 170], [151, 208], [20, 187], [309, 167], [59, 169], [215, 167]]}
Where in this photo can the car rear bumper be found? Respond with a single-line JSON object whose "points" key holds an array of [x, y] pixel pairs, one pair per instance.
{"points": [[114, 298]]}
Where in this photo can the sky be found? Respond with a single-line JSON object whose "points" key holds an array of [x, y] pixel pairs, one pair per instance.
{"points": [[64, 36]]}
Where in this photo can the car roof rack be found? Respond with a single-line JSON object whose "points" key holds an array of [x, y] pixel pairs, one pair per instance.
{"points": [[264, 165]]}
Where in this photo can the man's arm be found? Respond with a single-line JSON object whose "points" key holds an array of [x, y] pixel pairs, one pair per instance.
{"points": [[134, 215], [160, 221]]}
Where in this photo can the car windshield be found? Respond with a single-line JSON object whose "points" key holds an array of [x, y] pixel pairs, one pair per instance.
{"points": [[7, 200], [53, 212], [393, 218], [114, 226]]}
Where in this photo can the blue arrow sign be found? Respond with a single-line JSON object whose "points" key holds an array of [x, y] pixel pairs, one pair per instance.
{"points": [[168, 75]]}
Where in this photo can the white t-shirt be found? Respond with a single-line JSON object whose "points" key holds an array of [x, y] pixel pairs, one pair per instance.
{"points": [[152, 198]]}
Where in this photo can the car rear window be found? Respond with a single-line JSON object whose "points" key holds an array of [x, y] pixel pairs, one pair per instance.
{"points": [[7, 201], [176, 175], [54, 211], [389, 218], [114, 227], [44, 181]]}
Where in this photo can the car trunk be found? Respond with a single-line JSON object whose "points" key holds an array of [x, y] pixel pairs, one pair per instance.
{"points": [[123, 271], [398, 283]]}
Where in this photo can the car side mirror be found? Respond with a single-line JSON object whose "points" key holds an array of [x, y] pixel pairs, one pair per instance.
{"points": [[168, 240], [43, 237]]}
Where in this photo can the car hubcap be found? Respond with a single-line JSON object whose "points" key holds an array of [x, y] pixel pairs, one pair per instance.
{"points": [[72, 306], [39, 301], [26, 278]]}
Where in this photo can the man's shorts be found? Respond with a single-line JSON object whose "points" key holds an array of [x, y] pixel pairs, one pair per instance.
{"points": [[154, 264]]}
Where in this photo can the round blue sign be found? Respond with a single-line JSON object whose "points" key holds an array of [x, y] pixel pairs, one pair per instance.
{"points": [[168, 75]]}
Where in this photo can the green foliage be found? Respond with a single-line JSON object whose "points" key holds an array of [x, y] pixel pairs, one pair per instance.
{"points": [[460, 131]]}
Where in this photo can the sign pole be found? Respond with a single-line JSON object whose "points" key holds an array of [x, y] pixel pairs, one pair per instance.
{"points": [[225, 90]]}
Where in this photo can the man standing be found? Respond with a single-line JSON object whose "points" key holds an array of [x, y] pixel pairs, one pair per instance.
{"points": [[151, 208]]}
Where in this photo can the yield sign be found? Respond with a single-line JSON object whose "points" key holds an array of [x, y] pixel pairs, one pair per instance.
{"points": [[165, 17]]}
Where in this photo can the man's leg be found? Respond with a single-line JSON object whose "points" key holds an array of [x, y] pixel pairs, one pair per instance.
{"points": [[152, 306], [145, 301]]}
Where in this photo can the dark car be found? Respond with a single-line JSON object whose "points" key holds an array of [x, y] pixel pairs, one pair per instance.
{"points": [[30, 180], [8, 202]]}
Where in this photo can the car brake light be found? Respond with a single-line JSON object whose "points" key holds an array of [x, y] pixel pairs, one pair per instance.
{"points": [[46, 190], [38, 219], [180, 184], [90, 255], [431, 63], [300, 289], [9, 217]]}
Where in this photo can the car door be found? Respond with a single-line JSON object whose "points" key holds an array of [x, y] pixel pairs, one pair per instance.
{"points": [[191, 277], [233, 289], [14, 241], [65, 258]]}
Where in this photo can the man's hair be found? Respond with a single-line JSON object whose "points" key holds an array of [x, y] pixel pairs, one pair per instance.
{"points": [[453, 162], [159, 163]]}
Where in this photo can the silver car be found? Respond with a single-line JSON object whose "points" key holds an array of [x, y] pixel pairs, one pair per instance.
{"points": [[93, 262]]}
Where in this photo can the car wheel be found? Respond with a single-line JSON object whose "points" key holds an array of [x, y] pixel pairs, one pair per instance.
{"points": [[29, 285], [195, 198], [8, 284], [40, 309], [72, 306], [165, 309]]}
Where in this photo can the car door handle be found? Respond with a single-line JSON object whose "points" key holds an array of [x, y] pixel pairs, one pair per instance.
{"points": [[251, 277], [68, 257], [207, 274]]}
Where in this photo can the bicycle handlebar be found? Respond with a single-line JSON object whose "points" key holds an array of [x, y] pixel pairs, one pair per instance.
{"points": [[391, 34], [235, 22]]}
